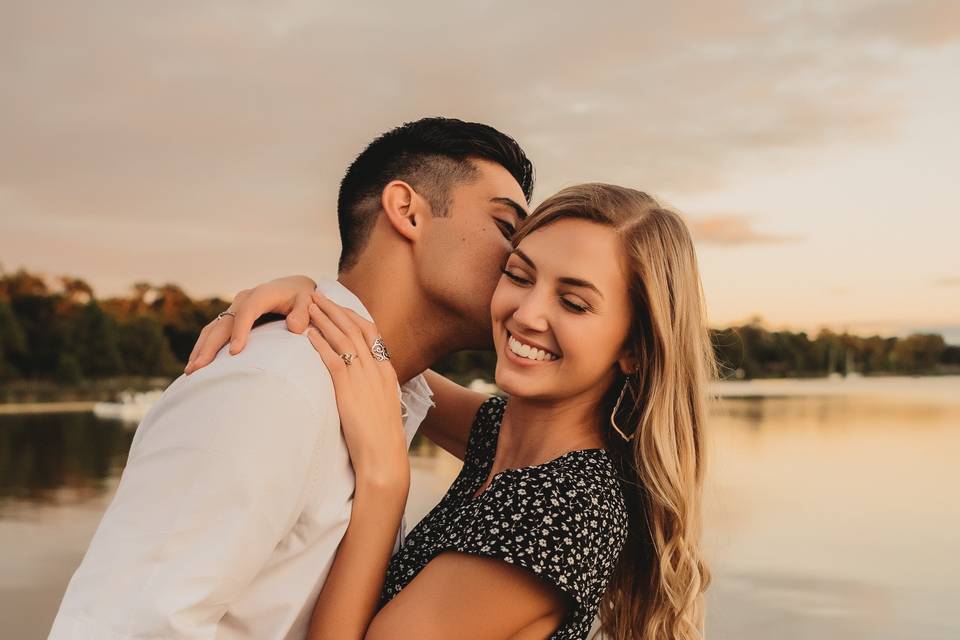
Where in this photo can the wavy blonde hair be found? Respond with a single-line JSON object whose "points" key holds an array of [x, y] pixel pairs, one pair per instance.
{"points": [[656, 592]]}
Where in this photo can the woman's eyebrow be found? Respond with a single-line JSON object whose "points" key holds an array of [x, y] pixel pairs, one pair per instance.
{"points": [[576, 282]]}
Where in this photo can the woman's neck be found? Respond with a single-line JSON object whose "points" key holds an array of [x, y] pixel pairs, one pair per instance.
{"points": [[533, 432]]}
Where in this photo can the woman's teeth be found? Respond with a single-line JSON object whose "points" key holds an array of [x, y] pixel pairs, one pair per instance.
{"points": [[528, 352]]}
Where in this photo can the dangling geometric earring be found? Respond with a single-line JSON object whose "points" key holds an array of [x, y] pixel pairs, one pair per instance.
{"points": [[616, 407]]}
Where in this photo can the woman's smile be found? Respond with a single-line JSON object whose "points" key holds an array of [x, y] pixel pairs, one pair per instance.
{"points": [[526, 354]]}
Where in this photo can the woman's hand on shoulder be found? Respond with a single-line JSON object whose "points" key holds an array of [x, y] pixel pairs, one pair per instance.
{"points": [[368, 396], [289, 296]]}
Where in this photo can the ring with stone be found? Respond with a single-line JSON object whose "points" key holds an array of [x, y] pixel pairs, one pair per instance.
{"points": [[348, 358], [379, 350], [226, 313]]}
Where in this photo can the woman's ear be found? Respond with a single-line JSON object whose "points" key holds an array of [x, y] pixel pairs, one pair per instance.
{"points": [[403, 208], [628, 364]]}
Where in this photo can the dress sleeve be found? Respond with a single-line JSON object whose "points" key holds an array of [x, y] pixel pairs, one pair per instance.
{"points": [[482, 441], [555, 527]]}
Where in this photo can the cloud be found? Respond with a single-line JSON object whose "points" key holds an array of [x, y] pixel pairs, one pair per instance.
{"points": [[733, 230], [924, 23], [233, 121]]}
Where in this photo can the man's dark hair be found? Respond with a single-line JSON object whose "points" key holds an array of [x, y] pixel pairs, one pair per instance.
{"points": [[432, 155]]}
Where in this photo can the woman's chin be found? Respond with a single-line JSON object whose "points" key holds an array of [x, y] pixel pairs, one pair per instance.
{"points": [[514, 385]]}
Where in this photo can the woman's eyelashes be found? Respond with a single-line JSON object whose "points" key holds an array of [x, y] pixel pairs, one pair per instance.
{"points": [[521, 281], [514, 277]]}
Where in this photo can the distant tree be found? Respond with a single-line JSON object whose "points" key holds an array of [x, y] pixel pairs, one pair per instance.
{"points": [[13, 342], [22, 283], [75, 290], [465, 366], [46, 331], [917, 353], [950, 355], [95, 342], [145, 348], [68, 369]]}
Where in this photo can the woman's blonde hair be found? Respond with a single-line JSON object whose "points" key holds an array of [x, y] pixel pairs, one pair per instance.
{"points": [[657, 589]]}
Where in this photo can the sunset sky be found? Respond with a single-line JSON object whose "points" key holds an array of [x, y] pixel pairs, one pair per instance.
{"points": [[811, 146]]}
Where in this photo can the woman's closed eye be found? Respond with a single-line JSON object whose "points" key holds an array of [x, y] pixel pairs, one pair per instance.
{"points": [[516, 279], [520, 280], [573, 306]]}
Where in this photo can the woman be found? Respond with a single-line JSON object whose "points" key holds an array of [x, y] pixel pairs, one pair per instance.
{"points": [[581, 491]]}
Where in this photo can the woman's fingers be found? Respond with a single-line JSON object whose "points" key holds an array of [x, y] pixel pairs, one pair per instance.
{"points": [[334, 363], [370, 335], [249, 305], [212, 338], [330, 331], [349, 324], [299, 318], [199, 343]]}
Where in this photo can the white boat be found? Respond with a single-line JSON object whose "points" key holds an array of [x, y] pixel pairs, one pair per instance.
{"points": [[131, 406]]}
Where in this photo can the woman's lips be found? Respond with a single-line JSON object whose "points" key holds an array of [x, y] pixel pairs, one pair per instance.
{"points": [[520, 360]]}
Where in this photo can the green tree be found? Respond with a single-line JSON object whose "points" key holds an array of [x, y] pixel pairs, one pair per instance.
{"points": [[13, 342], [145, 348], [95, 342]]}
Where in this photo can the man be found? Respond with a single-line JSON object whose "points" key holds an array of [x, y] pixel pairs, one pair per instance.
{"points": [[238, 485]]}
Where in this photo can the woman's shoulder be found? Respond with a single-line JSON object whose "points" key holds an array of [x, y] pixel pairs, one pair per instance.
{"points": [[482, 440], [582, 482]]}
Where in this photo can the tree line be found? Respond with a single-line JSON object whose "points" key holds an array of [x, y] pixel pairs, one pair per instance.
{"points": [[63, 333]]}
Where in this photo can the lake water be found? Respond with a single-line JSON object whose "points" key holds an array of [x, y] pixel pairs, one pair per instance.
{"points": [[831, 508]]}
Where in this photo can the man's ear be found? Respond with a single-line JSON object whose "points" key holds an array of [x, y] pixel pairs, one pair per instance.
{"points": [[403, 207]]}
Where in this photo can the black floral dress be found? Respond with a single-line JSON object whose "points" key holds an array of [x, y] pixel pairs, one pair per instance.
{"points": [[564, 520]]}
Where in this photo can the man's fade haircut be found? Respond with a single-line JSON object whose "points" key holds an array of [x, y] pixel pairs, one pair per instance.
{"points": [[432, 155]]}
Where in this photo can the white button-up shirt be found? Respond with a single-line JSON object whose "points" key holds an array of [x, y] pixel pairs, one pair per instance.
{"points": [[236, 493]]}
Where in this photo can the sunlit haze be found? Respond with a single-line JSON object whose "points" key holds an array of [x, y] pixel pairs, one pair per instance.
{"points": [[811, 146]]}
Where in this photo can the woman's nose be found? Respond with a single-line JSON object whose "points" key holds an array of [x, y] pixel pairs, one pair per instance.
{"points": [[531, 314]]}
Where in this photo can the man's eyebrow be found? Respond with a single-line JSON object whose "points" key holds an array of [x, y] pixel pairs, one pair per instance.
{"points": [[513, 204], [576, 282]]}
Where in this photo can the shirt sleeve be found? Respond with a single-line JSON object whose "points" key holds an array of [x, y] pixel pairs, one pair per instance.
{"points": [[552, 527], [215, 479]]}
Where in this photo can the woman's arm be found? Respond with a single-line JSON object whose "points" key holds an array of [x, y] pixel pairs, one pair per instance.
{"points": [[351, 592], [368, 404], [447, 424], [289, 296], [465, 596]]}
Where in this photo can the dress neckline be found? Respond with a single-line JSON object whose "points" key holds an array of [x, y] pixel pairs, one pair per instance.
{"points": [[487, 462]]}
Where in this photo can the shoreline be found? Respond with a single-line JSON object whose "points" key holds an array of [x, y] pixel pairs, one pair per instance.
{"points": [[15, 408], [733, 389]]}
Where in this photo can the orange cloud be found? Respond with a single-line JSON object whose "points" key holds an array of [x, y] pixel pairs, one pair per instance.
{"points": [[733, 230]]}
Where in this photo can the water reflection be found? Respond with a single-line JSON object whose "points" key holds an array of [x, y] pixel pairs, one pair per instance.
{"points": [[831, 510], [58, 458]]}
